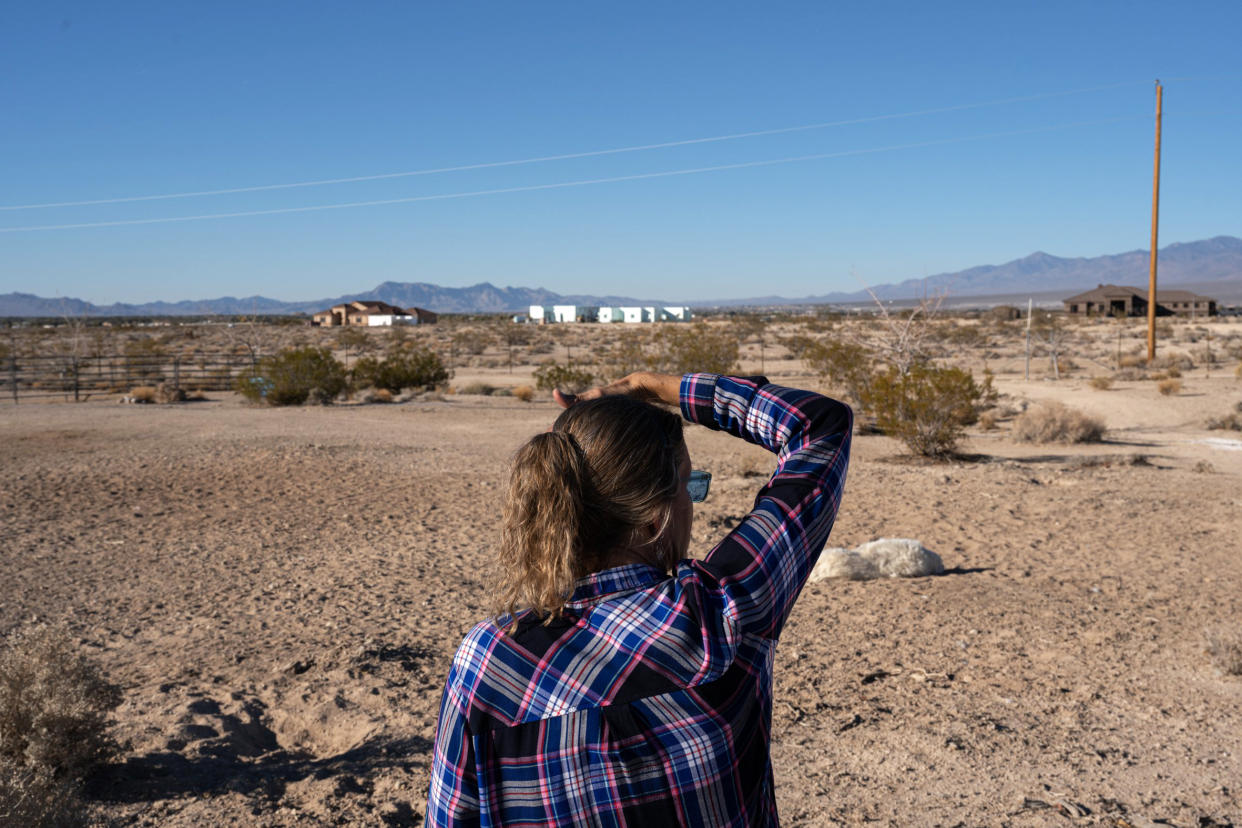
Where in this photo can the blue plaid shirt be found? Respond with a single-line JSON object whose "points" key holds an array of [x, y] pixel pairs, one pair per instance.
{"points": [[649, 702]]}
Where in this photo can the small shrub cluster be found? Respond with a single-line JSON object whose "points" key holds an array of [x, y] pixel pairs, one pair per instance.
{"points": [[570, 378], [1101, 383], [1054, 422], [1224, 645], [1229, 422], [928, 408], [696, 347], [54, 706], [524, 393], [847, 365], [478, 388], [289, 377], [1169, 387], [405, 366]]}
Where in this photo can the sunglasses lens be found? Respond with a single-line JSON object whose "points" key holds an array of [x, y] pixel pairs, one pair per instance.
{"points": [[697, 486]]}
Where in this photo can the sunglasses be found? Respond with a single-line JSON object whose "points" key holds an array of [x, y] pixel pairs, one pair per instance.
{"points": [[698, 484]]}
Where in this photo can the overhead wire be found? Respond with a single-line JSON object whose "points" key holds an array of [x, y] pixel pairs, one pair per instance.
{"points": [[566, 184], [574, 155]]}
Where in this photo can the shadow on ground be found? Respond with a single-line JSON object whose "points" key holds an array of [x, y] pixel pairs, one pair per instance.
{"points": [[168, 775]]}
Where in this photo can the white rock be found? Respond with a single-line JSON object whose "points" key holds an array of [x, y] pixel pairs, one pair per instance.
{"points": [[886, 557]]}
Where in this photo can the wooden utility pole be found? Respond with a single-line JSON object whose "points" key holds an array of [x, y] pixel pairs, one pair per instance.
{"points": [[1155, 223]]}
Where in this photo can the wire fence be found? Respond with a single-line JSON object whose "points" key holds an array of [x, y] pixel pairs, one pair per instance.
{"points": [[75, 378]]}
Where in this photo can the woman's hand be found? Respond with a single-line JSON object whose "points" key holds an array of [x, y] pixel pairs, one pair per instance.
{"points": [[641, 385]]}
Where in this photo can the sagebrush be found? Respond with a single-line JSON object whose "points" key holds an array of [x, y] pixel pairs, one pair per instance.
{"points": [[1054, 422], [54, 726], [1224, 645], [927, 408], [404, 366], [569, 377]]}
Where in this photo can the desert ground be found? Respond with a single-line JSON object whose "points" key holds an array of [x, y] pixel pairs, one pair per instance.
{"points": [[279, 591]]}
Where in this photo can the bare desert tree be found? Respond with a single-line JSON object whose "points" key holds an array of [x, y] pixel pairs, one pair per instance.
{"points": [[1052, 336], [70, 348], [900, 338]]}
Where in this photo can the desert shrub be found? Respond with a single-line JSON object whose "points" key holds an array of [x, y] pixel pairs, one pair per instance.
{"points": [[379, 395], [142, 394], [569, 377], [409, 366], [1169, 387], [1054, 422], [471, 341], [1229, 422], [988, 419], [698, 347], [289, 377], [54, 706], [481, 388], [1224, 645], [1131, 361], [847, 365], [32, 799], [524, 393], [626, 356], [1101, 383], [928, 408]]}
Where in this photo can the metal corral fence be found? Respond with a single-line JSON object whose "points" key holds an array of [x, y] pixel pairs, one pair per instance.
{"points": [[77, 377]]}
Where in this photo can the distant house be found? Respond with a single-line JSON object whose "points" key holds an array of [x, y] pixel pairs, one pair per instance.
{"points": [[1115, 300], [588, 313], [372, 314], [545, 314]]}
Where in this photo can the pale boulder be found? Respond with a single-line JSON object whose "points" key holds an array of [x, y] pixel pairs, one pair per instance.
{"points": [[883, 558]]}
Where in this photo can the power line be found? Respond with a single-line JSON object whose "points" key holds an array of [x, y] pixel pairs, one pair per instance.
{"points": [[571, 155], [565, 184]]}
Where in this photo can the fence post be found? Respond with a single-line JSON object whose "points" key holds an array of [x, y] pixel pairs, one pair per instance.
{"points": [[75, 368], [13, 375], [176, 372]]}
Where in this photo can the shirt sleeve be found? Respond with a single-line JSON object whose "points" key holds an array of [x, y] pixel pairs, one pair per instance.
{"points": [[759, 569], [453, 798]]}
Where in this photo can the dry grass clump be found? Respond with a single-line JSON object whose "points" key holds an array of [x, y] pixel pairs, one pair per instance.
{"points": [[1224, 645], [379, 395], [524, 393], [1101, 383], [142, 394], [1169, 387], [1230, 422], [53, 726], [1054, 422], [988, 419]]}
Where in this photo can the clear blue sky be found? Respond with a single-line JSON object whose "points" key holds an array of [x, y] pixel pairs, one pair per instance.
{"points": [[117, 100]]}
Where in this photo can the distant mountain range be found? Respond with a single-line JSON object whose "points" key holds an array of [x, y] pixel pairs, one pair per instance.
{"points": [[1206, 264]]}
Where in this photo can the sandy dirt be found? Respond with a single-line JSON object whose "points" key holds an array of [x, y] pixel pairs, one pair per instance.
{"points": [[279, 593]]}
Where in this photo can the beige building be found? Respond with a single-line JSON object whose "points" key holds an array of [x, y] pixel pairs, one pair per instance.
{"points": [[1114, 300], [372, 314]]}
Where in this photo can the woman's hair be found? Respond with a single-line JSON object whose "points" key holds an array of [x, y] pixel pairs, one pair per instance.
{"points": [[606, 469]]}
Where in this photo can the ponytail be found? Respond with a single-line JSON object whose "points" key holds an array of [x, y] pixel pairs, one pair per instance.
{"points": [[608, 467]]}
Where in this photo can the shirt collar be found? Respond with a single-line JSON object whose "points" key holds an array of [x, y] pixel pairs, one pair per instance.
{"points": [[618, 579]]}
